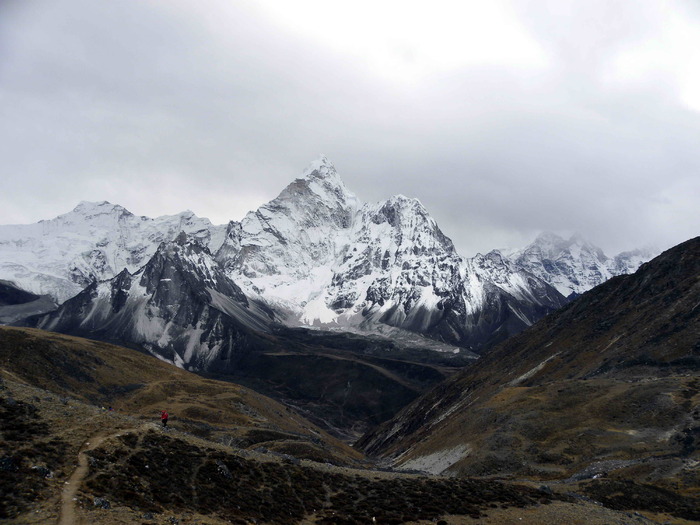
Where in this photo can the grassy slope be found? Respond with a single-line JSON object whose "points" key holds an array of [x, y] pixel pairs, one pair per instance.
{"points": [[53, 388], [49, 385]]}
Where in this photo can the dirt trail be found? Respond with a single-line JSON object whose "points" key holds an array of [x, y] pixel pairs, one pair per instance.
{"points": [[70, 490], [68, 514]]}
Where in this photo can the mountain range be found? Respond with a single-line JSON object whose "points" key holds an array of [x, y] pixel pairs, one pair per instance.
{"points": [[553, 364], [313, 256], [596, 405], [575, 265]]}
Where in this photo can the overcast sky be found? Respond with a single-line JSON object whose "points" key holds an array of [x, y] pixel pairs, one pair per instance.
{"points": [[505, 118]]}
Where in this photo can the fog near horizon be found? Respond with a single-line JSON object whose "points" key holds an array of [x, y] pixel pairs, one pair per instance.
{"points": [[504, 120]]}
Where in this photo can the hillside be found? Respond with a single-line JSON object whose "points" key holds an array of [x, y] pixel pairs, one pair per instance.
{"points": [[182, 308], [607, 386], [228, 455], [130, 382]]}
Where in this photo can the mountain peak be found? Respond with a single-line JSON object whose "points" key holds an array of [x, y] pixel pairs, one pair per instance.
{"points": [[323, 171], [578, 239], [322, 166], [321, 179], [548, 237], [89, 205], [406, 201], [402, 204], [98, 208]]}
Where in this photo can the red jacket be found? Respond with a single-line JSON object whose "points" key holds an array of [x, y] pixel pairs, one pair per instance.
{"points": [[164, 415]]}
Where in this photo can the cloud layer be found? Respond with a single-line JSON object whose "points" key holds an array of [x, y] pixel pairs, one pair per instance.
{"points": [[504, 120]]}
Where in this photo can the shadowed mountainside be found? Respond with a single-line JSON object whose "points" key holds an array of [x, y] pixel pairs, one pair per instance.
{"points": [[182, 308], [345, 383], [17, 304], [609, 385]]}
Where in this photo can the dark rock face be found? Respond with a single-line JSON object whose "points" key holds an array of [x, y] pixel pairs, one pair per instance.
{"points": [[180, 306], [11, 295], [17, 304]]}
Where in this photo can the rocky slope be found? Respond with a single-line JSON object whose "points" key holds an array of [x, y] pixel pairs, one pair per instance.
{"points": [[610, 384], [105, 375], [183, 308], [180, 307]]}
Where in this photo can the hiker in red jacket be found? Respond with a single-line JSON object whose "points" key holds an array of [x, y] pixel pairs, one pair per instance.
{"points": [[164, 418]]}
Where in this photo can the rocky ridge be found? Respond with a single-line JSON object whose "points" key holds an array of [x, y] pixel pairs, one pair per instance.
{"points": [[319, 256], [180, 307]]}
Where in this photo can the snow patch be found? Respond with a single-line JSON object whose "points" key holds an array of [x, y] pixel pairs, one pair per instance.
{"points": [[317, 310], [533, 371], [438, 462]]}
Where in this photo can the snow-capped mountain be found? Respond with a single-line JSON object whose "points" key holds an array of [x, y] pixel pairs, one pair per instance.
{"points": [[286, 249], [180, 306], [95, 241], [596, 364], [629, 262], [316, 256], [322, 257], [575, 265]]}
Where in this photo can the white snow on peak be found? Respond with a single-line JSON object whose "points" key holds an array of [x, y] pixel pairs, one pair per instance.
{"points": [[318, 252], [322, 166], [322, 178], [574, 265], [330, 261], [408, 201], [314, 250], [94, 241]]}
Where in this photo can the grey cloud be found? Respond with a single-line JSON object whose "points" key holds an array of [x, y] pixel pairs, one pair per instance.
{"points": [[163, 108]]}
